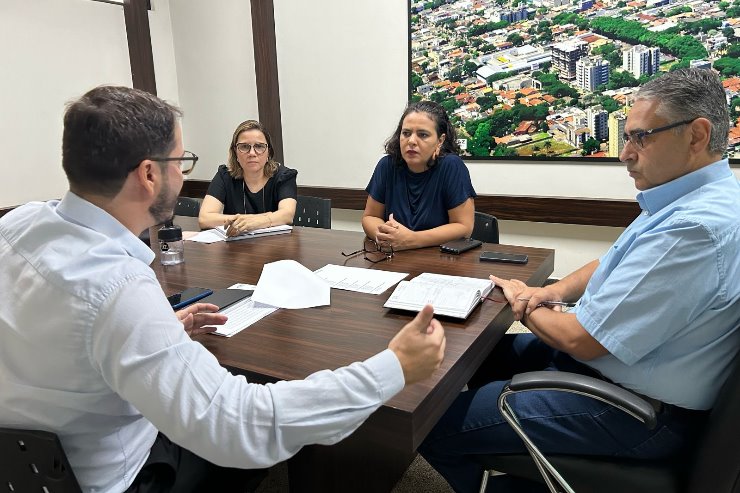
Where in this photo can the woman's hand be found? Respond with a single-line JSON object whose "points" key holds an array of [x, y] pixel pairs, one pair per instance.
{"points": [[243, 223], [395, 234], [200, 318]]}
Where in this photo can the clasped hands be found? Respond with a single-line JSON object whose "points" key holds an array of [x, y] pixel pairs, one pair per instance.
{"points": [[394, 234], [517, 293], [200, 318], [242, 223]]}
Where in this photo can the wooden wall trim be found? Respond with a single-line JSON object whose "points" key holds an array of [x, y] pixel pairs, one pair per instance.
{"points": [[563, 210], [139, 38], [266, 72]]}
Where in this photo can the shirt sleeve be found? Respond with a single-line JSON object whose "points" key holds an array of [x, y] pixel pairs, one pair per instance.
{"points": [[458, 187], [379, 181], [180, 387], [217, 187], [666, 279], [286, 185]]}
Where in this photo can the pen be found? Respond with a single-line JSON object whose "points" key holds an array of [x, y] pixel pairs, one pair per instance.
{"points": [[551, 303], [189, 301]]}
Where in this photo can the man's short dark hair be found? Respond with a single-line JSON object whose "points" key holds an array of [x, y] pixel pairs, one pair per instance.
{"points": [[109, 131]]}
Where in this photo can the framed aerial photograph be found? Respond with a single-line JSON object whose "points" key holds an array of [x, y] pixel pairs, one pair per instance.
{"points": [[552, 79]]}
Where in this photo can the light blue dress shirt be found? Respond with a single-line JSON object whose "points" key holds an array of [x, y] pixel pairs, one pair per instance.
{"points": [[665, 300], [90, 349]]}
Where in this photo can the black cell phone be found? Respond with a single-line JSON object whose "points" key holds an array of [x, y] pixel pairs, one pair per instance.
{"points": [[512, 258], [187, 297], [226, 297], [459, 246]]}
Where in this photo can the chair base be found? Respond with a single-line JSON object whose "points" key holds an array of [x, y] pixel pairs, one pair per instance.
{"points": [[594, 474]]}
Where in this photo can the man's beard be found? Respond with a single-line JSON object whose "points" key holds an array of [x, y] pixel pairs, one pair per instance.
{"points": [[164, 205]]}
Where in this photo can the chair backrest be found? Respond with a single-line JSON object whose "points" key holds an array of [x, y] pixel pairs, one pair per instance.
{"points": [[717, 455], [314, 212], [34, 460], [187, 206], [485, 228]]}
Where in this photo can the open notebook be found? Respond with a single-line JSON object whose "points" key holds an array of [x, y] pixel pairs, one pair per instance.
{"points": [[453, 296], [274, 230]]}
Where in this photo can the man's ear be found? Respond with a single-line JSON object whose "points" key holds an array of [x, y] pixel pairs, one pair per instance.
{"points": [[701, 132], [147, 177]]}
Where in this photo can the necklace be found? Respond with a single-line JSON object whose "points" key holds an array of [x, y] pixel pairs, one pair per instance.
{"points": [[244, 197]]}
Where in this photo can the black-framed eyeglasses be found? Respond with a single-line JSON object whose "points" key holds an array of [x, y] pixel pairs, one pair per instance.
{"points": [[374, 252], [637, 137], [244, 148], [186, 162]]}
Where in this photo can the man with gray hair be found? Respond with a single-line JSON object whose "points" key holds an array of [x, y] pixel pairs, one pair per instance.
{"points": [[663, 301]]}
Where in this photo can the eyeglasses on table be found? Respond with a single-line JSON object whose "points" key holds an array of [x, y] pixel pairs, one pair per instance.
{"points": [[373, 251]]}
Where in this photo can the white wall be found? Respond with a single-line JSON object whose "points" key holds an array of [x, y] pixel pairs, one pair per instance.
{"points": [[214, 56], [53, 51]]}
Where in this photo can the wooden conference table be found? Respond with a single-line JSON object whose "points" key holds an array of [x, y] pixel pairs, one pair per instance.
{"points": [[292, 344]]}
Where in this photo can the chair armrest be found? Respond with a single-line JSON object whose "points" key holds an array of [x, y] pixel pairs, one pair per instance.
{"points": [[592, 387]]}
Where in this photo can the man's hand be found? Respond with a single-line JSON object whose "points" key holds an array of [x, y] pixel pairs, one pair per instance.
{"points": [[200, 318], [419, 346], [515, 290]]}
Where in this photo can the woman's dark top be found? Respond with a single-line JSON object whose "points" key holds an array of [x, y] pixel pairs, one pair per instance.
{"points": [[420, 201], [237, 198]]}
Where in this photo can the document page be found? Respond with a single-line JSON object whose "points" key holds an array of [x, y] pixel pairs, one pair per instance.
{"points": [[219, 234], [242, 314], [357, 279], [452, 296]]}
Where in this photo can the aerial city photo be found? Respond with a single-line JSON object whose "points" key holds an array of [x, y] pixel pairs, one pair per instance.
{"points": [[554, 78]]}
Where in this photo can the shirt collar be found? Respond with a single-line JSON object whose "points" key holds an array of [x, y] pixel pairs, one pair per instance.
{"points": [[79, 211], [656, 198]]}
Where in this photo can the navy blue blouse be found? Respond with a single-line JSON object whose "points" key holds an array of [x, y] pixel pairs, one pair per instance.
{"points": [[420, 201]]}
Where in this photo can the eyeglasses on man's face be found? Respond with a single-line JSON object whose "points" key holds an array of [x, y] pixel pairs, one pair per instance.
{"points": [[637, 137], [244, 148], [186, 162], [374, 252]]}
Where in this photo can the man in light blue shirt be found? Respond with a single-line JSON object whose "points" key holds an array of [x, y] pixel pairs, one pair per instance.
{"points": [[659, 313], [91, 349]]}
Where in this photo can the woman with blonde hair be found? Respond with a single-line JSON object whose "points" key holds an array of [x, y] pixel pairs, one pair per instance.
{"points": [[252, 190]]}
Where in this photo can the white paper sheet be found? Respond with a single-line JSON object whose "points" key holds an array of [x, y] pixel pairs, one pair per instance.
{"points": [[242, 314], [218, 234], [288, 284], [370, 281]]}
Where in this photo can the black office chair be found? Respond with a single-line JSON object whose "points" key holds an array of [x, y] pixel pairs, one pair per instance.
{"points": [[713, 464], [33, 460], [314, 212], [188, 206], [485, 228]]}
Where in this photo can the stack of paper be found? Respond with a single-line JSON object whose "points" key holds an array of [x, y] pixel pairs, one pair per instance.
{"points": [[242, 314], [274, 230], [219, 234]]}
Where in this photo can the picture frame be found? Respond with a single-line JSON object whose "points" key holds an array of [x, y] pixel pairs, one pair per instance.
{"points": [[551, 80]]}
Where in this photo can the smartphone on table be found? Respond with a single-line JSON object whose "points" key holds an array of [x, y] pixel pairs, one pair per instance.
{"points": [[459, 246], [188, 297], [511, 258]]}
